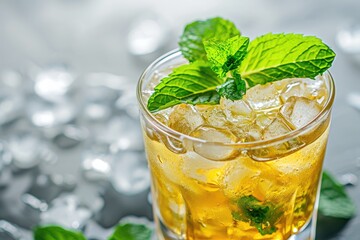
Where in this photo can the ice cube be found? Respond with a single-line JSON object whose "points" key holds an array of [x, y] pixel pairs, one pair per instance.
{"points": [[11, 106], [10, 230], [265, 97], [210, 149], [129, 173], [264, 119], [185, 118], [25, 148], [97, 165], [43, 114], [299, 111], [53, 83], [238, 112], [276, 128], [70, 136], [67, 211], [213, 115], [309, 88]]}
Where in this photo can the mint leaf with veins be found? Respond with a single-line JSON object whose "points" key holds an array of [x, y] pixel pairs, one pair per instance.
{"points": [[227, 55], [56, 233], [334, 202], [233, 89], [193, 83], [191, 41], [274, 57], [130, 231], [263, 216]]}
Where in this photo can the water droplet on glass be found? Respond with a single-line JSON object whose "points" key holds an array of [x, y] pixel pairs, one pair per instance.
{"points": [[348, 179], [34, 202], [53, 84], [130, 174], [25, 148], [70, 136], [67, 211], [96, 165], [348, 40], [10, 230], [43, 114], [147, 35]]}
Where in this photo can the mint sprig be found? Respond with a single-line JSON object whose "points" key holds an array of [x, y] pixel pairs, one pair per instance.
{"points": [[263, 216], [194, 83], [227, 55], [129, 231], [125, 231], [273, 57], [334, 202], [216, 51], [58, 233], [191, 41]]}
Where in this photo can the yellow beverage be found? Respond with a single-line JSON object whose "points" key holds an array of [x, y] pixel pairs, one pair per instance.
{"points": [[248, 169]]}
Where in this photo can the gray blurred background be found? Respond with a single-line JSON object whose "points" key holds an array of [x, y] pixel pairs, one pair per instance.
{"points": [[84, 41]]}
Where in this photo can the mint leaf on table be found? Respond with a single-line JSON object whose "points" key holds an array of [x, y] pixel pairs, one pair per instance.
{"points": [[129, 231], [233, 89], [56, 233], [273, 57], [227, 55], [194, 83], [191, 41], [263, 216], [334, 202]]}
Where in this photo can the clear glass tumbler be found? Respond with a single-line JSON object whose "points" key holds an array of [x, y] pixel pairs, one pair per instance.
{"points": [[265, 189]]}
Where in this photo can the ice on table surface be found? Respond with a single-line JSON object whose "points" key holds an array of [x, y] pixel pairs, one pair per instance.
{"points": [[67, 211], [214, 151], [299, 111], [185, 118], [129, 173]]}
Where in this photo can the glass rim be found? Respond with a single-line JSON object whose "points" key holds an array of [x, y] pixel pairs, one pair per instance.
{"points": [[245, 145]]}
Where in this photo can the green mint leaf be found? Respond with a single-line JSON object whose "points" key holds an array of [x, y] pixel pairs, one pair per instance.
{"points": [[193, 83], [227, 55], [334, 202], [129, 231], [58, 233], [191, 41], [273, 57], [233, 89], [263, 216]]}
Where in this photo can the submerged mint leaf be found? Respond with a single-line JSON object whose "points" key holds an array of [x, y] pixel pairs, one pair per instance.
{"points": [[58, 233], [334, 202], [273, 57], [191, 41], [233, 89], [263, 216], [194, 83], [227, 55], [129, 231]]}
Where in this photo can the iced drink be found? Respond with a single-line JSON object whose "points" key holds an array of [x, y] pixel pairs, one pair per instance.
{"points": [[244, 169]]}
